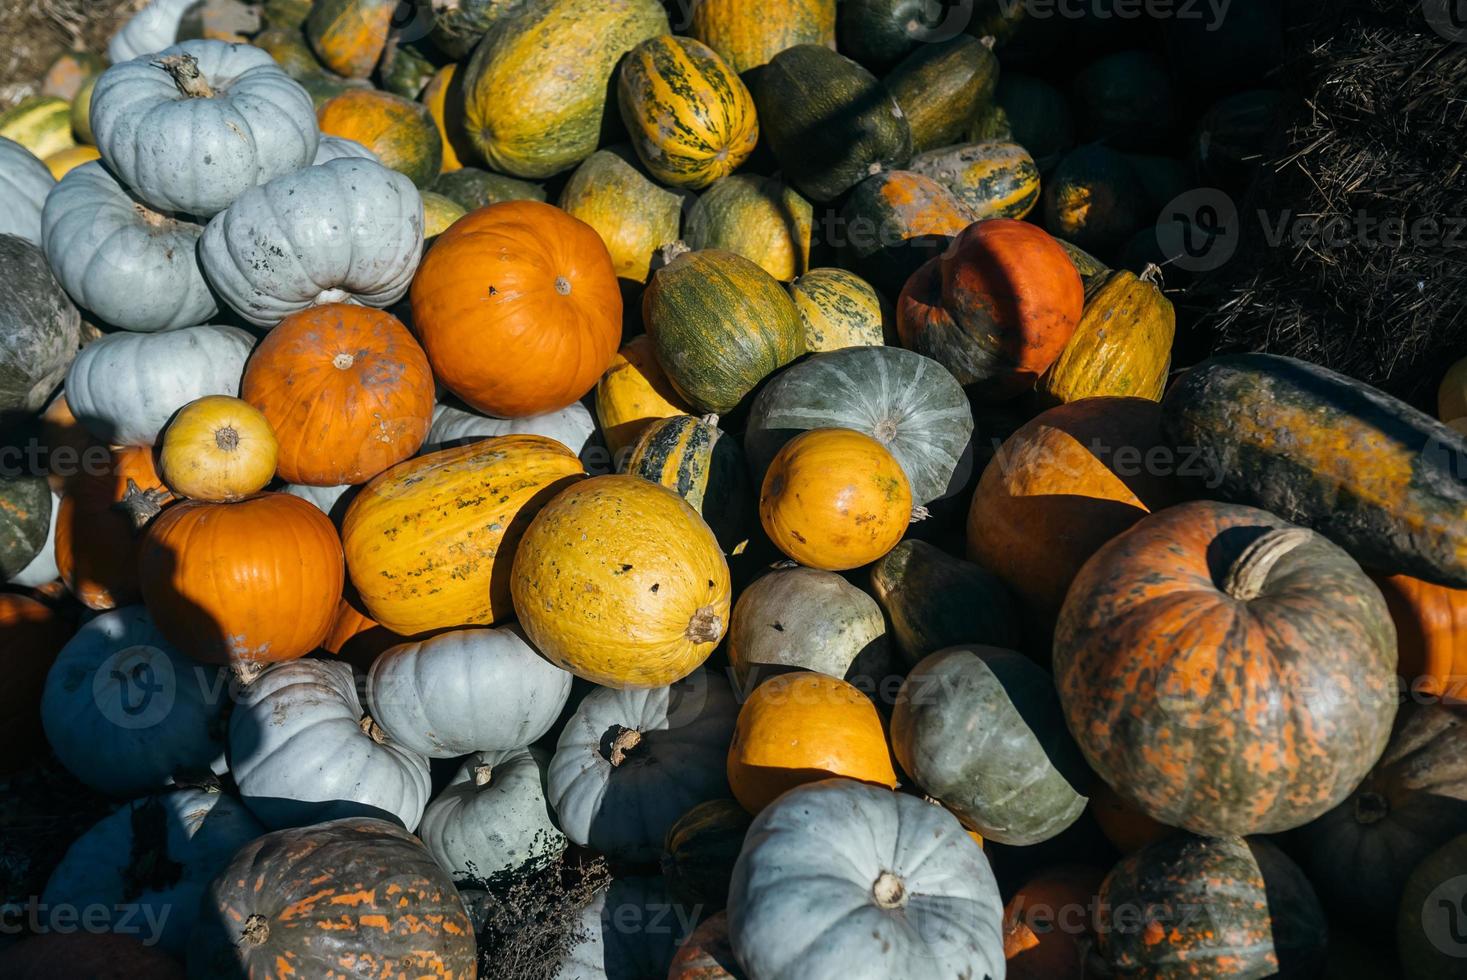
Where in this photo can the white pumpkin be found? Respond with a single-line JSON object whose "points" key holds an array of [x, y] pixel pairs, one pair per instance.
{"points": [[346, 231], [325, 499], [630, 930], [42, 568], [151, 29], [24, 184], [128, 264], [124, 387], [340, 148], [195, 125], [571, 426], [464, 691], [301, 751], [147, 863], [492, 817], [125, 711]]}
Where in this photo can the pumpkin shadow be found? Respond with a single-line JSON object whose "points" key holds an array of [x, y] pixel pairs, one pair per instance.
{"points": [[499, 578]]}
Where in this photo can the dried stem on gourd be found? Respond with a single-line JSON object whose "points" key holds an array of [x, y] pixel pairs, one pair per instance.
{"points": [[889, 891], [705, 626], [372, 730], [256, 930], [483, 775], [184, 69], [988, 41], [140, 505], [245, 671], [623, 742], [1247, 576], [919, 513], [227, 438], [1152, 274], [664, 255]]}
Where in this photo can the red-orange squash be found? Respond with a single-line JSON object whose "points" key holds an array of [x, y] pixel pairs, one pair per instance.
{"points": [[247, 583], [996, 309], [1431, 635], [31, 634], [96, 538], [347, 390], [518, 308]]}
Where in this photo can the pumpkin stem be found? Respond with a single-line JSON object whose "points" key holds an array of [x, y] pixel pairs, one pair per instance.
{"points": [[343, 360], [1371, 807], [919, 513], [988, 41], [483, 775], [623, 742], [256, 930], [885, 431], [710, 419], [664, 255], [1017, 937], [562, 285], [186, 75], [227, 438], [245, 671], [140, 505], [705, 626], [372, 730], [1151, 274], [889, 891], [1246, 578]]}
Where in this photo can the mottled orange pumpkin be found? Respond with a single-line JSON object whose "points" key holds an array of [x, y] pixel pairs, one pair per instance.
{"points": [[835, 499], [96, 538], [634, 393], [401, 132], [247, 583], [1431, 635], [31, 634], [800, 727], [518, 308], [996, 309], [347, 390]]}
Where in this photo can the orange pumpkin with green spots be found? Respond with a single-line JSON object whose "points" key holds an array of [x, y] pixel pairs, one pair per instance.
{"points": [[1431, 631], [349, 35], [401, 132], [1226, 671]]}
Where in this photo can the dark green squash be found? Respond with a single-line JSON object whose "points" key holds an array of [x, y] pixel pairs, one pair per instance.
{"points": [[880, 33], [1373, 474], [25, 517], [981, 731], [473, 188], [990, 123], [291, 52], [719, 325], [1039, 117], [40, 329], [1221, 908], [995, 179], [458, 26], [324, 87], [1238, 135], [697, 461], [407, 67], [1126, 100], [1415, 800], [894, 222], [940, 88], [1430, 939], [1095, 200], [829, 121], [936, 601], [700, 851]]}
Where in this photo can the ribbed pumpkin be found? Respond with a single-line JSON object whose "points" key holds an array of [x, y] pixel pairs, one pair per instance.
{"points": [[1431, 635], [429, 542], [691, 120], [400, 132], [633, 216], [895, 221], [720, 325], [756, 217], [518, 308], [535, 89], [839, 309], [31, 635], [346, 389], [96, 533], [1122, 345], [443, 97], [941, 85], [217, 448], [994, 179], [835, 499], [748, 36], [996, 309], [634, 393], [349, 35], [247, 583], [700, 851], [1226, 671], [1059, 488], [693, 458], [619, 581], [802, 727]]}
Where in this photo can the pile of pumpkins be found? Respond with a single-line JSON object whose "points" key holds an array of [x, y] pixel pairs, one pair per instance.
{"points": [[387, 531]]}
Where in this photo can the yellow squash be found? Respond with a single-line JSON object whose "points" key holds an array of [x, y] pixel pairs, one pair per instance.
{"points": [[634, 393], [839, 309], [633, 216], [748, 34], [1123, 345], [41, 124], [217, 448], [64, 161], [443, 96]]}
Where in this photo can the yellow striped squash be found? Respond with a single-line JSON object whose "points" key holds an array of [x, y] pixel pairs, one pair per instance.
{"points": [[748, 34], [695, 460], [839, 309], [995, 178], [634, 393], [1122, 347], [691, 120], [41, 124]]}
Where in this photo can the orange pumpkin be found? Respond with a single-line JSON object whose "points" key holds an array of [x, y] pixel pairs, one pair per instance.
{"points": [[1431, 635], [801, 727], [996, 309], [1121, 821], [633, 393], [835, 499], [68, 444], [31, 635], [518, 308], [1048, 924], [245, 583], [96, 534], [347, 391]]}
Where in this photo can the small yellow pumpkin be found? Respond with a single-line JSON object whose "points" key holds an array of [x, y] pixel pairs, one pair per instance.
{"points": [[634, 393], [1122, 346], [217, 448], [64, 161], [619, 581], [839, 309], [835, 499]]}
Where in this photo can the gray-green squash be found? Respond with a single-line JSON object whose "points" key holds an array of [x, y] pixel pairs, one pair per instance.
{"points": [[941, 86], [39, 328], [936, 601], [25, 518]]}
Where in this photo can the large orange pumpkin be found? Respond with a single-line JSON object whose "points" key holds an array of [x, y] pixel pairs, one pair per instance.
{"points": [[518, 308], [996, 309], [347, 390], [1062, 486], [96, 534], [1431, 635], [31, 635], [801, 727], [245, 583], [835, 499]]}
